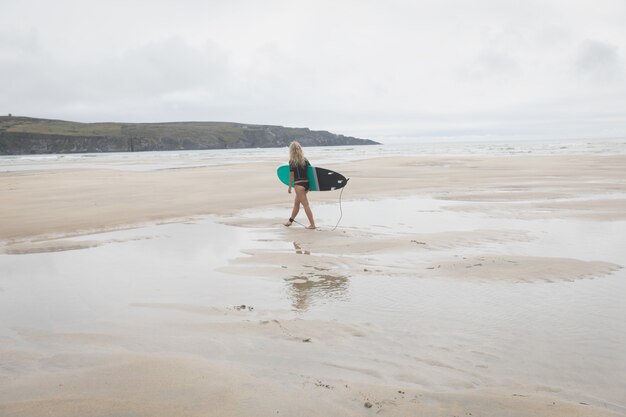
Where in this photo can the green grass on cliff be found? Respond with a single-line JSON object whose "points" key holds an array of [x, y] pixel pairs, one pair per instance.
{"points": [[227, 132], [58, 127]]}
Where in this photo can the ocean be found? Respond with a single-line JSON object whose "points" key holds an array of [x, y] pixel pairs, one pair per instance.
{"points": [[147, 161]]}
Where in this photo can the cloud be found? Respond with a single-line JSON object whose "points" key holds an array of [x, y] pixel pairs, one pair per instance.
{"points": [[160, 72], [162, 67], [599, 60], [15, 44], [348, 66], [489, 64]]}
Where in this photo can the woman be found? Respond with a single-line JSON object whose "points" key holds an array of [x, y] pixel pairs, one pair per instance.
{"points": [[298, 176]]}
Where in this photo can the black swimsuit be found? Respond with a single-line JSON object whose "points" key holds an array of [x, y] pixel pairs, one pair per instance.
{"points": [[304, 184], [300, 174]]}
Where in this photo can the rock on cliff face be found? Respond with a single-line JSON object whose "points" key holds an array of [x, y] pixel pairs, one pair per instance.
{"points": [[34, 143], [21, 135]]}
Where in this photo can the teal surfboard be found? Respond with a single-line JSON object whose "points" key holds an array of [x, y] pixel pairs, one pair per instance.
{"points": [[320, 179], [283, 175]]}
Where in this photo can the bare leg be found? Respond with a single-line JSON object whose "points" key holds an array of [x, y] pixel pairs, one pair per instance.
{"points": [[296, 209], [296, 206], [301, 194]]}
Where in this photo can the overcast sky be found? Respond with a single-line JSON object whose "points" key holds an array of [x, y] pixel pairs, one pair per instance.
{"points": [[377, 69]]}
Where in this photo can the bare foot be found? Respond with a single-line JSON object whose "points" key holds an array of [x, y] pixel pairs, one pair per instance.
{"points": [[312, 227], [288, 223]]}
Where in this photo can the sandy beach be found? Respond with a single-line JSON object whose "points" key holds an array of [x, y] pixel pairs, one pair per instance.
{"points": [[454, 285]]}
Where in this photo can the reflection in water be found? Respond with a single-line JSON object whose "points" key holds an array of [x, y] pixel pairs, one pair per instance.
{"points": [[307, 288], [299, 250]]}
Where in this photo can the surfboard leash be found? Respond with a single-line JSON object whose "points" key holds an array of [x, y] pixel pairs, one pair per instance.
{"points": [[340, 209], [295, 221]]}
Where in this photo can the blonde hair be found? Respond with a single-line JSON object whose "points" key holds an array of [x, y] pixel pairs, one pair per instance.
{"points": [[296, 156]]}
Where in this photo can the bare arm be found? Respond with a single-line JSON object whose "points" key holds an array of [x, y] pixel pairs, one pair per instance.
{"points": [[290, 181]]}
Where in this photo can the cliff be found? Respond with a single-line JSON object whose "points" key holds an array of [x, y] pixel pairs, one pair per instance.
{"points": [[25, 135]]}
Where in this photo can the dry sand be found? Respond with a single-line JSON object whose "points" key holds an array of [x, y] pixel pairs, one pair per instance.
{"points": [[196, 360]]}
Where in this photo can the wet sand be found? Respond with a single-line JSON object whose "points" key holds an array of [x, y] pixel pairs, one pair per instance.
{"points": [[466, 285], [37, 203]]}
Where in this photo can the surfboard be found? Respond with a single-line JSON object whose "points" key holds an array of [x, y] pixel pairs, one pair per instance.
{"points": [[320, 179]]}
